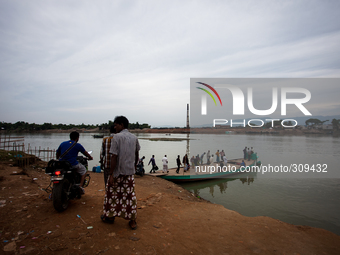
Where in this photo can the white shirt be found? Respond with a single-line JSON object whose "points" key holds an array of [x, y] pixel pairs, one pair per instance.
{"points": [[165, 161]]}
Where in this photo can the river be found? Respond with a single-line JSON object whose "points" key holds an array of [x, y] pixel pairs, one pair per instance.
{"points": [[310, 199]]}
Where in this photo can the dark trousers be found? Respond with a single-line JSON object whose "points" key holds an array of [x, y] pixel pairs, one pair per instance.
{"points": [[153, 169]]}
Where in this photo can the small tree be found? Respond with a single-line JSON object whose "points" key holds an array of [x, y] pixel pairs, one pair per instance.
{"points": [[313, 122]]}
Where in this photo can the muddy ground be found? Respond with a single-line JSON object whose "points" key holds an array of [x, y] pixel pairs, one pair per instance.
{"points": [[170, 221]]}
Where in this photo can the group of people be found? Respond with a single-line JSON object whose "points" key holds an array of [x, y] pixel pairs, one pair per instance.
{"points": [[199, 160], [119, 158], [165, 164], [247, 152], [194, 161], [155, 167]]}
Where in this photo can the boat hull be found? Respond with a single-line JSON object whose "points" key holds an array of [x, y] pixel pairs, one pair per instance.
{"points": [[192, 177]]}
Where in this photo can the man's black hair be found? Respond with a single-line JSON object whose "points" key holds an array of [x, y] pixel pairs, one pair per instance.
{"points": [[74, 135], [112, 129], [122, 120]]}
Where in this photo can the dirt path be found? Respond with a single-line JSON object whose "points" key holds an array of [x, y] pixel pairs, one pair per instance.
{"points": [[170, 221]]}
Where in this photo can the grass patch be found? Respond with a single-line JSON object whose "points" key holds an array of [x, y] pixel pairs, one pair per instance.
{"points": [[8, 155]]}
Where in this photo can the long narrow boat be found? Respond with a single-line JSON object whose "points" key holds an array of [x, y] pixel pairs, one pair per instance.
{"points": [[207, 172], [98, 136]]}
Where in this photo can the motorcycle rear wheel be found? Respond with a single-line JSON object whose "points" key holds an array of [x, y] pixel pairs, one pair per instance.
{"points": [[60, 195], [87, 181]]}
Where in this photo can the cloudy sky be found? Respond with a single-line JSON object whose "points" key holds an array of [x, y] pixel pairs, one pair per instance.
{"points": [[88, 61]]}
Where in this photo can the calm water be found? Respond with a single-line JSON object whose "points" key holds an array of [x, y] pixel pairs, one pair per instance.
{"points": [[299, 199]]}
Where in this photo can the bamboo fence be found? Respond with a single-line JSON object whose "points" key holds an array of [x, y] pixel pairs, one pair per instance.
{"points": [[25, 156]]}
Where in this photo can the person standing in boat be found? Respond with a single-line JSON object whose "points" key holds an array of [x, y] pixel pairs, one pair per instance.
{"points": [[222, 154], [245, 153], [185, 162], [202, 158], [217, 156], [178, 161], [208, 157], [225, 160], [197, 160], [165, 164], [211, 160], [249, 153], [192, 161]]}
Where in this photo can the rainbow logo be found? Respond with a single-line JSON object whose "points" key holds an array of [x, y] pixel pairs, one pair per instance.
{"points": [[213, 90]]}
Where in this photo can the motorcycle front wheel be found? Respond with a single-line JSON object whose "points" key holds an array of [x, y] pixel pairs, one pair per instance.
{"points": [[60, 195]]}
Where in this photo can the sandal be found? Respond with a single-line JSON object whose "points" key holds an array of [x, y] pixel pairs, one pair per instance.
{"points": [[133, 224], [107, 220]]}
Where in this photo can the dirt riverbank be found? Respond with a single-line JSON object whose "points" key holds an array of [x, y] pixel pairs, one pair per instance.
{"points": [[170, 221]]}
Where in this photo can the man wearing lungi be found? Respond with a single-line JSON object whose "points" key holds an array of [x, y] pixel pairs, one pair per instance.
{"points": [[120, 197]]}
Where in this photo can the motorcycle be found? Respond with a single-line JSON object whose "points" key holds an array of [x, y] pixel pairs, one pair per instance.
{"points": [[140, 170], [66, 182]]}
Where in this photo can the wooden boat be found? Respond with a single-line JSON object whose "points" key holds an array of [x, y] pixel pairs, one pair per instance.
{"points": [[208, 172], [98, 136]]}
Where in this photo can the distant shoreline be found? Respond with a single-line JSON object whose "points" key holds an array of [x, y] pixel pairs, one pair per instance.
{"points": [[247, 130]]}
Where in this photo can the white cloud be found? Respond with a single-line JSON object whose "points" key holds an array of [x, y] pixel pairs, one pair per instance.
{"points": [[104, 58]]}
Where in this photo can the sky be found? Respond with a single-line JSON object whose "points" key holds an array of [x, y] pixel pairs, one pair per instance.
{"points": [[89, 61]]}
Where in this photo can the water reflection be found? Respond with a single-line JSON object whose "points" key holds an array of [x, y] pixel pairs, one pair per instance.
{"points": [[218, 185]]}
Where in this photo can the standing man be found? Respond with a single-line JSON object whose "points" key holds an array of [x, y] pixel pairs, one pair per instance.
{"points": [[222, 154], [192, 161], [211, 160], [69, 150], [202, 158], [165, 164], [245, 153], [208, 157], [178, 161], [225, 160], [105, 156], [217, 156], [120, 197], [153, 163], [186, 162]]}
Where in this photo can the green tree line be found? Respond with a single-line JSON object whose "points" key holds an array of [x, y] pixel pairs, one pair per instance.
{"points": [[22, 126]]}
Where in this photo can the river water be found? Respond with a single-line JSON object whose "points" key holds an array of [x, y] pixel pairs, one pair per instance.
{"points": [[310, 199]]}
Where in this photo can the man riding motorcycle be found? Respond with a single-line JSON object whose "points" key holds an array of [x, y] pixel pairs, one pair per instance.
{"points": [[69, 150]]}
